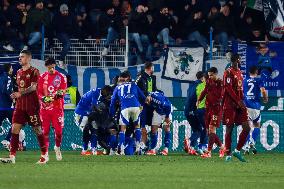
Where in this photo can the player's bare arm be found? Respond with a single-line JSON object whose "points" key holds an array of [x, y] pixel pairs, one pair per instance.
{"points": [[264, 95], [28, 90]]}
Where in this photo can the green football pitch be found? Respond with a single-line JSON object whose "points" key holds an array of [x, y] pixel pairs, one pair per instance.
{"points": [[264, 170]]}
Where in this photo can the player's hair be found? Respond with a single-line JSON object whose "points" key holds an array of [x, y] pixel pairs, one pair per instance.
{"points": [[148, 65], [253, 70], [106, 91], [7, 67], [199, 75], [235, 57], [125, 74], [49, 61], [213, 70], [26, 52]]}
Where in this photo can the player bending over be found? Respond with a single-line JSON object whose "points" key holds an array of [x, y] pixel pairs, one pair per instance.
{"points": [[51, 89], [129, 96], [213, 114], [235, 111], [162, 114], [83, 109], [253, 88], [27, 108]]}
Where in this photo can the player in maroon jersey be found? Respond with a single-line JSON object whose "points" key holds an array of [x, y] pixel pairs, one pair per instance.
{"points": [[27, 108], [235, 111], [213, 114], [51, 89]]}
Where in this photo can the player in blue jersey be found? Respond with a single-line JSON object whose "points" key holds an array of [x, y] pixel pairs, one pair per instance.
{"points": [[83, 109], [131, 98], [162, 114], [253, 89]]}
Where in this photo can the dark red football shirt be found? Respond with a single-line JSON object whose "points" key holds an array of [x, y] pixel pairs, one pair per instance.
{"points": [[213, 92], [24, 80], [233, 88]]}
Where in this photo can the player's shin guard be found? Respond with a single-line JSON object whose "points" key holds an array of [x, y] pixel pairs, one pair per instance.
{"points": [[167, 139], [138, 135], [242, 139], [121, 140], [255, 134], [228, 140], [154, 140], [42, 143], [14, 144], [217, 140], [211, 141], [113, 142]]}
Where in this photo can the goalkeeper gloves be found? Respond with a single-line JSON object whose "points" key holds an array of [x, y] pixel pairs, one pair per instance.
{"points": [[47, 99]]}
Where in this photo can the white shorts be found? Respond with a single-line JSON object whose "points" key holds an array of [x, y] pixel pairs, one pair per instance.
{"points": [[127, 114], [159, 119], [254, 115]]}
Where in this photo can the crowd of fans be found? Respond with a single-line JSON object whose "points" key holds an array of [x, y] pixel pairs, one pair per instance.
{"points": [[151, 23]]}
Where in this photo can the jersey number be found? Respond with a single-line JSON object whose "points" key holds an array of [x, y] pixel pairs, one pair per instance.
{"points": [[121, 88], [251, 86]]}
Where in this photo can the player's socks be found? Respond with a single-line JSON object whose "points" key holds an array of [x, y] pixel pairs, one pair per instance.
{"points": [[94, 141], [255, 134], [121, 140], [217, 140], [242, 139], [58, 138], [113, 143], [14, 144], [238, 155], [228, 142], [138, 135], [42, 144], [211, 141], [193, 139], [85, 146], [154, 140], [167, 139]]}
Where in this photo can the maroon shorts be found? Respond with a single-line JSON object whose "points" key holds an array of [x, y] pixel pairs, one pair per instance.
{"points": [[237, 116], [27, 116], [213, 117]]}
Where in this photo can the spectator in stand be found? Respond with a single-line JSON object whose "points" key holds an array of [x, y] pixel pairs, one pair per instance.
{"points": [[125, 8], [116, 5], [96, 8], [223, 26], [82, 23], [111, 22], [139, 27], [64, 24], [195, 26], [162, 23], [37, 17]]}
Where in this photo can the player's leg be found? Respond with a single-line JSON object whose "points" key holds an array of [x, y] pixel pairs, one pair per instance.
{"points": [[46, 117], [123, 122], [35, 122], [167, 139], [192, 120], [154, 139], [94, 137], [113, 141], [135, 116], [203, 131], [228, 119], [242, 116], [86, 134], [57, 119]]}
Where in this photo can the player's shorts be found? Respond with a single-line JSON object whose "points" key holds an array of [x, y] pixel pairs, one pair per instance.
{"points": [[237, 116], [158, 119], [213, 118], [128, 114], [27, 116], [254, 115]]}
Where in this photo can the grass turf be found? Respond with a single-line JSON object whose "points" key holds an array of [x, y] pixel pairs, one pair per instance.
{"points": [[264, 170]]}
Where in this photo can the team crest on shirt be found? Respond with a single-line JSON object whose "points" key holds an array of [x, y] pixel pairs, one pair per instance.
{"points": [[57, 81], [22, 83]]}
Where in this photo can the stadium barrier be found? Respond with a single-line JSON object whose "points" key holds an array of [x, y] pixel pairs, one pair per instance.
{"points": [[271, 135]]}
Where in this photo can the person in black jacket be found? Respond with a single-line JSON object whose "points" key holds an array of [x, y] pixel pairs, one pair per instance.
{"points": [[111, 22], [139, 27], [146, 81], [64, 24], [162, 23]]}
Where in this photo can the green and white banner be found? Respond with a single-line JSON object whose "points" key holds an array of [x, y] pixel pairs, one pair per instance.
{"points": [[255, 4], [271, 136]]}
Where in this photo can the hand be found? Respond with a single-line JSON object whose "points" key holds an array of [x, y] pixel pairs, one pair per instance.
{"points": [[148, 99], [47, 99], [15, 95], [59, 93]]}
